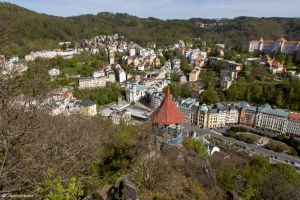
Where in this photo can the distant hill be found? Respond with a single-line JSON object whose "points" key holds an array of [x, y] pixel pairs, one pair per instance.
{"points": [[39, 31]]}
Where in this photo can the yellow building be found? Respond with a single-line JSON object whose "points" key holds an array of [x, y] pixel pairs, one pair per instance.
{"points": [[193, 75], [88, 108], [156, 62]]}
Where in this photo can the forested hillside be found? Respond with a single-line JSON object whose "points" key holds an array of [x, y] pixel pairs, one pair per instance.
{"points": [[39, 31]]}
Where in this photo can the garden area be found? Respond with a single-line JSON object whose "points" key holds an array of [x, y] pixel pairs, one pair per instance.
{"points": [[278, 144]]}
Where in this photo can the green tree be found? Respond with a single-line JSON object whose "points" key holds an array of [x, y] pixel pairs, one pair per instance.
{"points": [[248, 95], [279, 99], [226, 176], [232, 93], [209, 96], [197, 146], [291, 94], [162, 60], [54, 189], [209, 78], [72, 62], [64, 46], [256, 91], [281, 57], [289, 61], [241, 90], [185, 90], [174, 77]]}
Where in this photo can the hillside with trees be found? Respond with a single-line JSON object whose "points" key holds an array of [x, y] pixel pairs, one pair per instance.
{"points": [[76, 157], [37, 31]]}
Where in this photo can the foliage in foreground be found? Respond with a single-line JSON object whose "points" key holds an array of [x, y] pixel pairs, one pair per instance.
{"points": [[259, 179], [54, 189], [196, 145]]}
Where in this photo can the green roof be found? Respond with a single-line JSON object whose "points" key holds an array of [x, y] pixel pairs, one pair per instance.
{"points": [[140, 88], [203, 107], [267, 109]]}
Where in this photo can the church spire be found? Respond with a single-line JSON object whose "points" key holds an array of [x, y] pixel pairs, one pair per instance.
{"points": [[169, 77]]}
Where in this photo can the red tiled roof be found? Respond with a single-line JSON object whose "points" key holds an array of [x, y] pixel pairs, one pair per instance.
{"points": [[65, 95], [294, 116], [196, 89], [167, 113]]}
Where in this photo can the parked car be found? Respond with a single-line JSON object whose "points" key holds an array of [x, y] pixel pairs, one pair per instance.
{"points": [[292, 162], [272, 156], [287, 161], [276, 157]]}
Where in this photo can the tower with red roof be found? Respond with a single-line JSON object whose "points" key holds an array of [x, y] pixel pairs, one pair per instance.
{"points": [[167, 120]]}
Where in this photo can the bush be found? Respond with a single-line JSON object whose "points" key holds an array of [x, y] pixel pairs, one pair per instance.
{"points": [[231, 134], [197, 146], [277, 146], [239, 129]]}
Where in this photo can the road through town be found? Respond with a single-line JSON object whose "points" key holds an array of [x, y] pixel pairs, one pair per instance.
{"points": [[281, 157]]}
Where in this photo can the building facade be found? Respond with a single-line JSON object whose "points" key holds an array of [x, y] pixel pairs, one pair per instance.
{"points": [[134, 91], [90, 82], [186, 105], [293, 125], [248, 116], [225, 83], [117, 116], [88, 108], [285, 46], [156, 99], [271, 118]]}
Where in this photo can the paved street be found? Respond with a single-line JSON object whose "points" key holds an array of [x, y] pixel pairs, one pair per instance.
{"points": [[281, 157]]}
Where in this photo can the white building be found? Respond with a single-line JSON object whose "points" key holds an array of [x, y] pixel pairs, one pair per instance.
{"points": [[53, 72], [135, 92], [185, 106], [176, 64], [117, 116], [287, 47], [90, 82], [120, 73], [98, 73], [272, 118], [156, 99], [230, 113], [293, 126], [51, 54], [131, 51], [141, 67], [195, 54], [232, 116], [225, 83]]}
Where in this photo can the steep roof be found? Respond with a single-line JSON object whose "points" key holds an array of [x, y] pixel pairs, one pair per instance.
{"points": [[167, 113]]}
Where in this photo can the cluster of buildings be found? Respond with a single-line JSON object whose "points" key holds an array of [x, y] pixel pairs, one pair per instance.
{"points": [[58, 103], [264, 117], [124, 112], [52, 54], [229, 71], [140, 58], [64, 103], [109, 73], [11, 66], [149, 88], [285, 46], [144, 90]]}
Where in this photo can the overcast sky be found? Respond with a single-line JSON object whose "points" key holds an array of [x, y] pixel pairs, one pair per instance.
{"points": [[166, 9]]}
